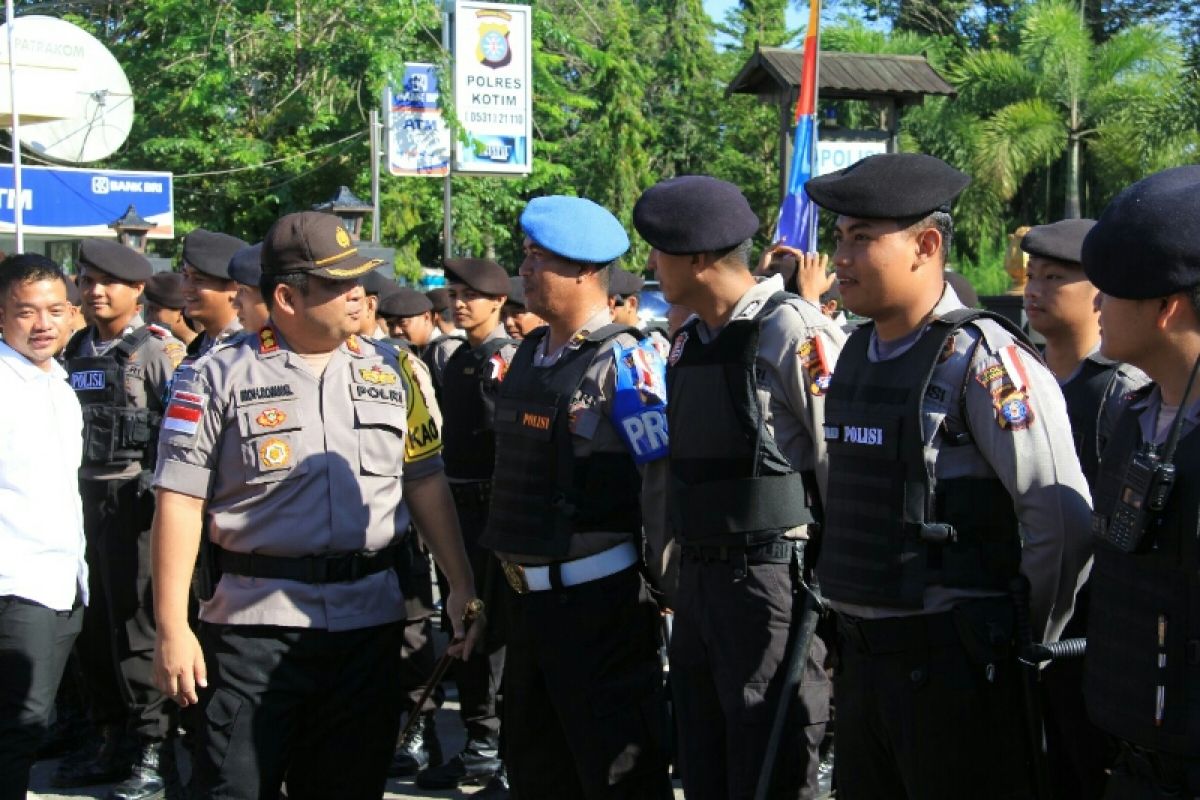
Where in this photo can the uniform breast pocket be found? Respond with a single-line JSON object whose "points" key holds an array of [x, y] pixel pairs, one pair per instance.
{"points": [[271, 445], [380, 438]]}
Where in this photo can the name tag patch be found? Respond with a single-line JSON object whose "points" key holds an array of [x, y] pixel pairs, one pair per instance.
{"points": [[265, 393]]}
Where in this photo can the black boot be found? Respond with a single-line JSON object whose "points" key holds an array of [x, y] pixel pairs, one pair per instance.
{"points": [[104, 758], [419, 749], [153, 772], [478, 761], [496, 789]]}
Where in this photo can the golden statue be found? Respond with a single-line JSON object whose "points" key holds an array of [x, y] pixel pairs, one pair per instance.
{"points": [[1015, 261]]}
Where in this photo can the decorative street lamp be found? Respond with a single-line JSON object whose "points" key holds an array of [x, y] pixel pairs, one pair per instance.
{"points": [[131, 230], [350, 209]]}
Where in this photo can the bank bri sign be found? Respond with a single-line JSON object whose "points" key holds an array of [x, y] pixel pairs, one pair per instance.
{"points": [[62, 201]]}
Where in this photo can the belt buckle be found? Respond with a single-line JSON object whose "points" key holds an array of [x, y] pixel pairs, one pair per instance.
{"points": [[515, 575]]}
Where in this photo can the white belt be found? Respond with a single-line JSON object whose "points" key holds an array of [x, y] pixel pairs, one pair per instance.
{"points": [[525, 579]]}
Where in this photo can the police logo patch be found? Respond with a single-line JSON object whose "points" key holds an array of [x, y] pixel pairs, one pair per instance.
{"points": [[1013, 411], [271, 418], [677, 348], [274, 454], [811, 353], [820, 384], [379, 376], [343, 238]]}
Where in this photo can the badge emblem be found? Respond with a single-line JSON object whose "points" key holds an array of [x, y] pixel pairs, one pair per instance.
{"points": [[271, 418], [1013, 411], [267, 343], [677, 348], [378, 376], [343, 238], [493, 49], [275, 453], [820, 384]]}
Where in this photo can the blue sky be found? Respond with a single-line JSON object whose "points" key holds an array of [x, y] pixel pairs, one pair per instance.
{"points": [[716, 9]]}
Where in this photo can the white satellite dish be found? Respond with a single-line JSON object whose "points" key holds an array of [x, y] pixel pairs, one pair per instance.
{"points": [[80, 76]]}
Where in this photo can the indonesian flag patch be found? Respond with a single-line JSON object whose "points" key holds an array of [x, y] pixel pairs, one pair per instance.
{"points": [[184, 411]]}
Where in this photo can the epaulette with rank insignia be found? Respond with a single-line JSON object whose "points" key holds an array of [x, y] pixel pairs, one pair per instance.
{"points": [[158, 330]]}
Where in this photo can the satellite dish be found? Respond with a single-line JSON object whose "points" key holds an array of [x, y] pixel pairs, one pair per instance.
{"points": [[89, 86]]}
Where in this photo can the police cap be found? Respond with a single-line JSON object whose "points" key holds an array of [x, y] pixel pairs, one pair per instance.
{"points": [[210, 252], [1061, 241], [165, 290], [440, 298], [314, 243], [622, 283], [574, 228], [516, 291], [115, 259], [889, 186], [246, 265], [404, 302], [481, 274], [1146, 244], [694, 214]]}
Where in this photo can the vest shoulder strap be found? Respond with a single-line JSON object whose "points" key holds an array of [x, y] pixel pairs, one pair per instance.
{"points": [[613, 330], [75, 343], [130, 343]]}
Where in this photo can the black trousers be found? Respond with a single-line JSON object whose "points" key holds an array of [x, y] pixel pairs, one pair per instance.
{"points": [[34, 644], [1140, 774], [729, 652], [320, 710], [929, 707], [584, 705], [116, 646]]}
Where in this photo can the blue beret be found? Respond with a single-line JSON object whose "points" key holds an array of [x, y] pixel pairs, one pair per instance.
{"points": [[210, 252], [1146, 244], [113, 258], [1061, 241], [246, 265], [694, 214], [574, 228], [889, 186]]}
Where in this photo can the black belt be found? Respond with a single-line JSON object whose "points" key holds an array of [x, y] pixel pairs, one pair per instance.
{"points": [[898, 634], [472, 494], [324, 568], [777, 551]]}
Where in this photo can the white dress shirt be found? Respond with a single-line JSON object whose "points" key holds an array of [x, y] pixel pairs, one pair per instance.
{"points": [[41, 516]]}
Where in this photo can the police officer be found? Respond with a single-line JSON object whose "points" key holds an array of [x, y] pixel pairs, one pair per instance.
{"points": [[581, 406], [302, 489], [467, 384], [1142, 667], [951, 472], [375, 287], [443, 313], [747, 376], [119, 369], [518, 320], [1063, 306], [245, 269], [164, 305], [208, 288], [409, 316]]}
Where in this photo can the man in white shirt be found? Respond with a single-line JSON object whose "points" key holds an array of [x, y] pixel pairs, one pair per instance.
{"points": [[43, 575]]}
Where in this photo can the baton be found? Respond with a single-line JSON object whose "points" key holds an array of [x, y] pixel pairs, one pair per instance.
{"points": [[473, 612], [1027, 663]]}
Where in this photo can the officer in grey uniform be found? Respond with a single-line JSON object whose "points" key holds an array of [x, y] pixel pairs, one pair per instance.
{"points": [[305, 491], [747, 377], [467, 385], [580, 411], [409, 317], [518, 320], [119, 369], [951, 474], [208, 288], [1142, 669], [1062, 305], [164, 305], [376, 286], [245, 267]]}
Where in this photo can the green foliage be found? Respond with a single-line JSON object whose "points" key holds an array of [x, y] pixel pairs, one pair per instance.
{"points": [[985, 269]]}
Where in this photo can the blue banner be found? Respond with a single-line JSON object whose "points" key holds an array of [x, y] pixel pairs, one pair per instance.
{"points": [[62, 201], [640, 407], [798, 216]]}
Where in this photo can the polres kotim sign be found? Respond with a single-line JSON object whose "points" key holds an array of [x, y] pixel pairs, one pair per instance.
{"points": [[493, 96], [62, 201]]}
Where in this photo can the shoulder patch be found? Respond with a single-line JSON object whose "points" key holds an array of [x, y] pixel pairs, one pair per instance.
{"points": [[184, 411], [175, 352], [813, 361]]}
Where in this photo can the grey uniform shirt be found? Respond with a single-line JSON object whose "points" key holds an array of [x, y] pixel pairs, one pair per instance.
{"points": [[1155, 426], [1036, 462], [147, 374], [291, 464], [208, 342], [592, 432]]}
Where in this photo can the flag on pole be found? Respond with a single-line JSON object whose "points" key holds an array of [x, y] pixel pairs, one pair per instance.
{"points": [[797, 225]]}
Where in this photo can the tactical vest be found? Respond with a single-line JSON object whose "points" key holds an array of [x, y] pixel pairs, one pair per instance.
{"points": [[730, 484], [115, 432], [467, 398], [1085, 393], [1142, 671], [891, 528], [541, 492]]}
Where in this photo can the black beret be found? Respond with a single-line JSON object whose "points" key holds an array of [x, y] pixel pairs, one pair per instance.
{"points": [[481, 274], [378, 284], [440, 299], [694, 214], [1061, 241], [210, 252], [115, 259], [622, 283], [246, 265], [165, 290], [404, 302], [516, 291], [1146, 244], [889, 186]]}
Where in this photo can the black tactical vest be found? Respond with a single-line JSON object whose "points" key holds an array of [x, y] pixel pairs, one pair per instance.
{"points": [[730, 485], [1142, 671], [1085, 393], [542, 493], [891, 528], [467, 397], [115, 432]]}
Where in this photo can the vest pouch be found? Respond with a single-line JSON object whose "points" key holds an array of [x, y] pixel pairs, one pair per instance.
{"points": [[137, 433], [101, 435], [986, 549]]}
